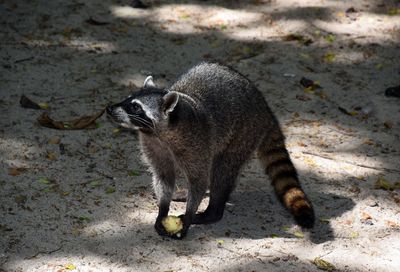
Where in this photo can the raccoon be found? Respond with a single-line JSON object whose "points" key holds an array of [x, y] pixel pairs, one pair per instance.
{"points": [[208, 124]]}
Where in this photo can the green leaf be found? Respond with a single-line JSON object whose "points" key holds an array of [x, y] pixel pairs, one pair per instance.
{"points": [[44, 181], [95, 183], [84, 218], [133, 173], [110, 190]]}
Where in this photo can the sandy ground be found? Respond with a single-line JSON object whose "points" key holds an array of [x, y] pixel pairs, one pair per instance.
{"points": [[82, 200]]}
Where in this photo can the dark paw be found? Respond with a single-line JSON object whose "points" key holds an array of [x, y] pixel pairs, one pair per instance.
{"points": [[206, 218], [160, 229], [179, 235]]}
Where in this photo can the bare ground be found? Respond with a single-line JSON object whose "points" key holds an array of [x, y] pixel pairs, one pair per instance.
{"points": [[82, 200]]}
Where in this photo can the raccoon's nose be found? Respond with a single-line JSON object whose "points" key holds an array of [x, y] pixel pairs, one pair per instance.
{"points": [[109, 110]]}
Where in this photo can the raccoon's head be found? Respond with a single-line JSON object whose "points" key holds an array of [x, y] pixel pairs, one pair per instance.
{"points": [[145, 110]]}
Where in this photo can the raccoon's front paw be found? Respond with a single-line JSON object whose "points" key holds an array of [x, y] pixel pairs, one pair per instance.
{"points": [[171, 226]]}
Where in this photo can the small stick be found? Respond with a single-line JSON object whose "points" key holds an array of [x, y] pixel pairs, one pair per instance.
{"points": [[352, 163]]}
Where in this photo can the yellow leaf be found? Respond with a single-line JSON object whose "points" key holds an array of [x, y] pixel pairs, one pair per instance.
{"points": [[324, 220], [354, 234], [379, 66], [273, 235], [116, 130], [44, 106], [70, 267], [220, 242], [298, 234], [323, 265], [353, 113], [329, 57]]}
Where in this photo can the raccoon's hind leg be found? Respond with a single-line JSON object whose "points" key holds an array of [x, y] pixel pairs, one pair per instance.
{"points": [[225, 170]]}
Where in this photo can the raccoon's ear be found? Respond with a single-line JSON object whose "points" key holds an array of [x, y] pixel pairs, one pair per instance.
{"points": [[148, 82], [169, 102]]}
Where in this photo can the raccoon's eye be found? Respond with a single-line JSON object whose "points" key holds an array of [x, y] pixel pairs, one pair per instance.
{"points": [[134, 107]]}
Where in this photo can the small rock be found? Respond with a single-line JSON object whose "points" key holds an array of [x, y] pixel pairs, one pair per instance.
{"points": [[393, 91], [372, 203]]}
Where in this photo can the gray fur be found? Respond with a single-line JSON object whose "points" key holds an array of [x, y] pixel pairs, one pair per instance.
{"points": [[214, 122]]}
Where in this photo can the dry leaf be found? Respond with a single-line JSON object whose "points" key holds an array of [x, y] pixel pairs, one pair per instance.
{"points": [[80, 123], [365, 216], [51, 156], [16, 171], [54, 140], [25, 102], [299, 38], [392, 224], [322, 264]]}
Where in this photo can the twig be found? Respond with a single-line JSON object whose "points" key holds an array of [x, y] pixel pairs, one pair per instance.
{"points": [[44, 252], [22, 60], [248, 255], [105, 175], [352, 163]]}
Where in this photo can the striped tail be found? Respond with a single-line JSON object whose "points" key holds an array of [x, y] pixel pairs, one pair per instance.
{"points": [[275, 157]]}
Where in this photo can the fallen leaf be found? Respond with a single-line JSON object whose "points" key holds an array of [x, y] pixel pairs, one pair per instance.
{"points": [[365, 216], [354, 234], [133, 173], [298, 234], [95, 183], [220, 242], [54, 140], [116, 130], [16, 171], [44, 181], [383, 184], [51, 156], [394, 11], [324, 220], [329, 57], [323, 265], [309, 83], [44, 106], [330, 38], [70, 267], [80, 123], [388, 124], [110, 190], [25, 102], [392, 224], [84, 218], [273, 235], [20, 199], [299, 38]]}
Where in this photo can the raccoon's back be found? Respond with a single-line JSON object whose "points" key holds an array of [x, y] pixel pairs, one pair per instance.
{"points": [[231, 103], [220, 89]]}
